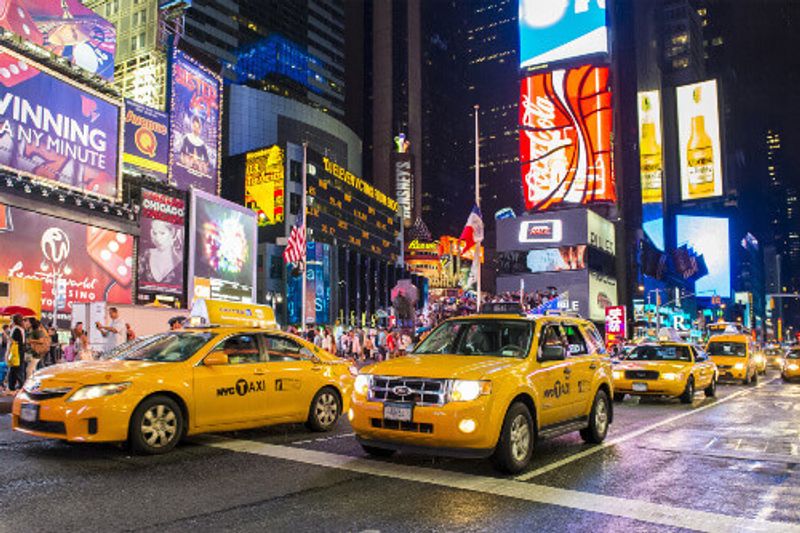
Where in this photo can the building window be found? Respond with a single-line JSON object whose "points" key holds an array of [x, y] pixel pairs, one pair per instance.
{"points": [[137, 42], [295, 201], [296, 171]]}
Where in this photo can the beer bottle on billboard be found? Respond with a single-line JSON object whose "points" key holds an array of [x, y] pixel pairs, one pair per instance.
{"points": [[700, 153], [650, 155]]}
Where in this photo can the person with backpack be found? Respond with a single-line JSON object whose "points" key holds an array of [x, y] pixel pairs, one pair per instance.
{"points": [[15, 354]]}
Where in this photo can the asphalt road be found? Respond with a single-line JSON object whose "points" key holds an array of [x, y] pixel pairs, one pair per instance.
{"points": [[724, 464]]}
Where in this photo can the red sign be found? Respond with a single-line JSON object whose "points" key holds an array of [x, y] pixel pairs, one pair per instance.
{"points": [[616, 317], [565, 138]]}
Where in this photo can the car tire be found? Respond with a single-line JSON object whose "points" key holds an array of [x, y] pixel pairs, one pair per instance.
{"points": [[599, 418], [375, 451], [156, 425], [711, 390], [325, 410], [688, 392], [784, 378], [619, 396], [515, 445], [754, 379]]}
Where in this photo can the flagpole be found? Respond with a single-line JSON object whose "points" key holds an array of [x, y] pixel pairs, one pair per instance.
{"points": [[478, 203], [305, 240]]}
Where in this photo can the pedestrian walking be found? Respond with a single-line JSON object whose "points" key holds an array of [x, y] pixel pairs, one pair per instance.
{"points": [[15, 356], [39, 342], [114, 332]]}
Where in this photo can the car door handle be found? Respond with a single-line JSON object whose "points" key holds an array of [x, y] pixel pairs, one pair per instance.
{"points": [[592, 366], [568, 370], [259, 372], [316, 368]]}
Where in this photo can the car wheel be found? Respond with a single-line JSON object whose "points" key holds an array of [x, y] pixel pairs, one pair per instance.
{"points": [[599, 417], [324, 411], [377, 452], [784, 378], [711, 390], [515, 446], [688, 392], [156, 425], [754, 379], [619, 396]]}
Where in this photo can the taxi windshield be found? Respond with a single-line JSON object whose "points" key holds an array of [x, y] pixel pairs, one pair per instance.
{"points": [[166, 347], [794, 354], [659, 353], [501, 338], [773, 351], [727, 348]]}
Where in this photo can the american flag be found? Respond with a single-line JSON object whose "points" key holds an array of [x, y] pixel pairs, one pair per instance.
{"points": [[296, 246]]}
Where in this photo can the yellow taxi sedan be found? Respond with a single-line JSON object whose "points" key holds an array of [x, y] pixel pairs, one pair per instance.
{"points": [[181, 383], [665, 369], [791, 365]]}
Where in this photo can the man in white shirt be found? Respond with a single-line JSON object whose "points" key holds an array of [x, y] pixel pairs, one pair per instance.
{"points": [[114, 332]]}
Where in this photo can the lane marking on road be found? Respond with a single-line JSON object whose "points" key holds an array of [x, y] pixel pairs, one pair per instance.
{"points": [[323, 439], [632, 435], [644, 511]]}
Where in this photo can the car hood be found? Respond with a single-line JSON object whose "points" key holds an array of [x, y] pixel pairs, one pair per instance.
{"points": [[443, 366], [90, 372], [660, 366]]}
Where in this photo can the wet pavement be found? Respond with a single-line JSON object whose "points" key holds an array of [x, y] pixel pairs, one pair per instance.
{"points": [[724, 464]]}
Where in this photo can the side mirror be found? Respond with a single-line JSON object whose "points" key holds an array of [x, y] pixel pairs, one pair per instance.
{"points": [[552, 353], [216, 358]]}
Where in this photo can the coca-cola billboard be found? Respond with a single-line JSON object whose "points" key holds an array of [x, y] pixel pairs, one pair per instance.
{"points": [[565, 138], [75, 262]]}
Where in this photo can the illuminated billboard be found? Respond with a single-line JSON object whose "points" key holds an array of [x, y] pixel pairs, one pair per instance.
{"points": [[65, 28], [161, 245], [222, 250], [602, 294], [554, 30], [75, 262], [708, 237], [565, 138], [264, 187], [72, 140], [403, 164], [195, 117], [146, 141], [650, 162], [699, 147]]}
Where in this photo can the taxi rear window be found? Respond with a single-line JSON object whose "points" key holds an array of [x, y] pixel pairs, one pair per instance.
{"points": [[167, 347]]}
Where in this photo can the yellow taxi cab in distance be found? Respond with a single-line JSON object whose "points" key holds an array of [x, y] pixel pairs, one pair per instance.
{"points": [[734, 356], [774, 356], [487, 385], [157, 389], [665, 369], [791, 365], [760, 359]]}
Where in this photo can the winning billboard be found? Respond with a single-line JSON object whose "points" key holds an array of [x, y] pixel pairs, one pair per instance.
{"points": [[708, 237], [700, 150], [161, 245], [555, 30], [65, 28], [71, 139], [264, 187], [565, 138], [76, 262], [146, 141], [222, 250], [195, 117]]}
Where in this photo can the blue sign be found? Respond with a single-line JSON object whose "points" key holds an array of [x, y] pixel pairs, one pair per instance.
{"points": [[709, 237], [554, 30]]}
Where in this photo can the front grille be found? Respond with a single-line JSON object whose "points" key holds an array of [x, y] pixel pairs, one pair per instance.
{"points": [[724, 367], [419, 391], [45, 395], [641, 374], [44, 426], [399, 425]]}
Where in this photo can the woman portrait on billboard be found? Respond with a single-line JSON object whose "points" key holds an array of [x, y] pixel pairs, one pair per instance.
{"points": [[162, 262]]}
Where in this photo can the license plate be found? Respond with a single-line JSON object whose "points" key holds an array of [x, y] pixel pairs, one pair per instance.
{"points": [[640, 387], [29, 412], [398, 411]]}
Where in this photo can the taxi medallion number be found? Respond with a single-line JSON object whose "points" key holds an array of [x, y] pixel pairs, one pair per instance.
{"points": [[401, 412], [29, 412], [640, 387]]}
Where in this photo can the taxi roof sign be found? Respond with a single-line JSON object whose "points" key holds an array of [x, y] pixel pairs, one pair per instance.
{"points": [[220, 313]]}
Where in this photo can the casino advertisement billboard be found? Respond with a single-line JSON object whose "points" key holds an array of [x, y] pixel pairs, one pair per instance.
{"points": [[72, 140], [345, 207], [75, 262], [565, 138], [195, 118], [146, 141]]}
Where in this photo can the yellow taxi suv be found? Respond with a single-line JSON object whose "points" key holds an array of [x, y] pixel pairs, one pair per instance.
{"points": [[734, 356], [665, 369], [487, 386], [162, 388], [791, 365]]}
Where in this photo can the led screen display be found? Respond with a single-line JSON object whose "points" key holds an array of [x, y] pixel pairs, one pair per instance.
{"points": [[555, 30], [565, 138], [708, 237], [699, 149]]}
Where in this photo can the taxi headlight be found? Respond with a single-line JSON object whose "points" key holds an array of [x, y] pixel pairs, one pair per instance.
{"points": [[466, 391], [672, 376], [739, 366], [617, 374], [362, 383], [793, 366], [90, 392]]}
